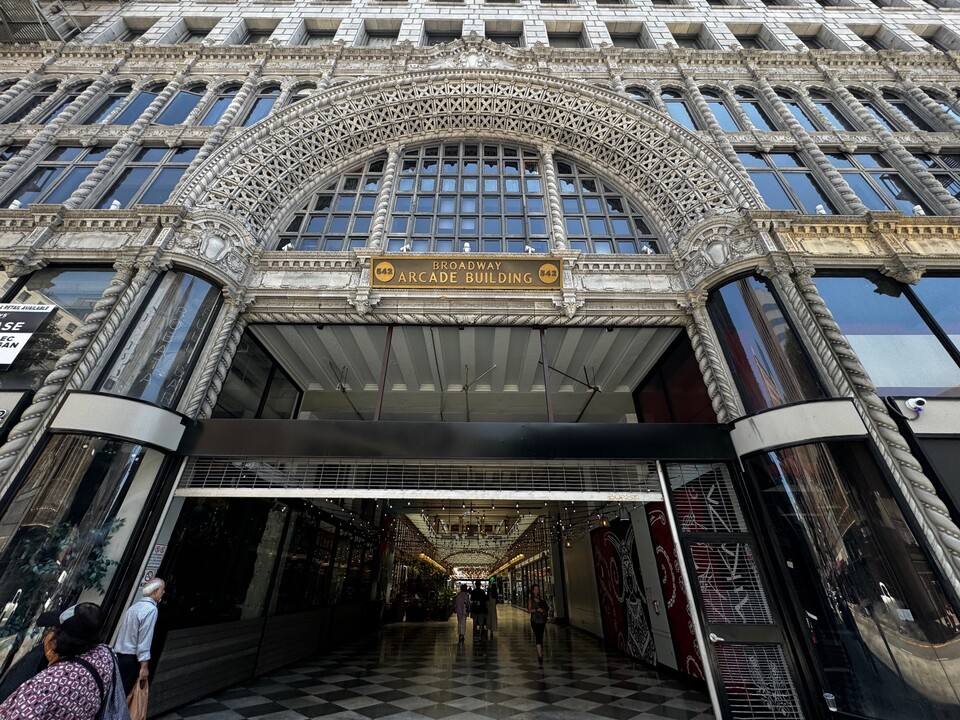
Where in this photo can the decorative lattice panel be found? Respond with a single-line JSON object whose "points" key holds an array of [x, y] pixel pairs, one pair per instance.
{"points": [[758, 683], [677, 178], [730, 584]]}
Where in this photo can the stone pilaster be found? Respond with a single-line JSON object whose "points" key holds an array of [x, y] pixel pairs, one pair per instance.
{"points": [[26, 83], [706, 350], [213, 373], [717, 134]]}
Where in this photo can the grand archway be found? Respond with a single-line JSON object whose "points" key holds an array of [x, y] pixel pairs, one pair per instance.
{"points": [[264, 172]]}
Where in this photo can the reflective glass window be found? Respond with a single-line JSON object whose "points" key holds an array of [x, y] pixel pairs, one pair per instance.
{"points": [[720, 111], [179, 107], [114, 99], [219, 106], [892, 340], [831, 111], [938, 296], [149, 178], [768, 361], [640, 94], [879, 186], [678, 109], [67, 529], [132, 111], [57, 176], [868, 602], [874, 109], [949, 104], [945, 168], [63, 103], [911, 118], [73, 291], [753, 109], [784, 183], [157, 356], [261, 105], [256, 386], [28, 102], [798, 111]]}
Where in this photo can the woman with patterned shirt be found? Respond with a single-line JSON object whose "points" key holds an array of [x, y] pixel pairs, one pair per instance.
{"points": [[67, 690]]}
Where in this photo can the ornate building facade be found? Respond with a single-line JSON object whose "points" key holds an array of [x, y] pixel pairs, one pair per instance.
{"points": [[289, 234]]}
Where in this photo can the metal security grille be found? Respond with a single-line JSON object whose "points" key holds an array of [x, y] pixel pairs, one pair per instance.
{"points": [[743, 632], [757, 681], [621, 480]]}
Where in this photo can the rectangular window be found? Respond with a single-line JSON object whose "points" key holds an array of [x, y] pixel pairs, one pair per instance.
{"points": [[149, 178], [878, 185], [256, 386], [158, 354], [900, 351], [566, 39], [381, 38], [57, 176], [692, 42], [74, 291], [785, 183], [315, 38]]}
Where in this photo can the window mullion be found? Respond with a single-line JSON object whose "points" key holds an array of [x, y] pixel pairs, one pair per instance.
{"points": [[554, 206]]}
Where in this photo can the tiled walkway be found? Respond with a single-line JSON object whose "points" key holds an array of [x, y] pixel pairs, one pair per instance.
{"points": [[414, 671]]}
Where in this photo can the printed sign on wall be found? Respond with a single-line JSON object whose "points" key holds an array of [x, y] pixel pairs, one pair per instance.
{"points": [[17, 325]]}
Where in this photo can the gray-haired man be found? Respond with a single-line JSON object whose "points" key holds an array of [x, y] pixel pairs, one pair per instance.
{"points": [[136, 634]]}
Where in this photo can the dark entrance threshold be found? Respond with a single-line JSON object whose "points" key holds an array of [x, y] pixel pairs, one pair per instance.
{"points": [[413, 671]]}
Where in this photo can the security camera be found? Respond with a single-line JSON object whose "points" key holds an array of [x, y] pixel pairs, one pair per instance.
{"points": [[916, 404]]}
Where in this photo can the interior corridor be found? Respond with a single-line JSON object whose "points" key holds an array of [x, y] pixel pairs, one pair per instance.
{"points": [[411, 671]]}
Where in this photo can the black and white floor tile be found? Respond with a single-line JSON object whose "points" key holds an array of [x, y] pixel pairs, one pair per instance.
{"points": [[418, 671]]}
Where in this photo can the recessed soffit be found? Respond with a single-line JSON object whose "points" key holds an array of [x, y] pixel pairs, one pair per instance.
{"points": [[267, 171]]}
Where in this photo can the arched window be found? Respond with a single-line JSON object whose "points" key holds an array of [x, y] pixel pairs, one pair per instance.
{"points": [[261, 105], [63, 103], [911, 118], [753, 109], [641, 95], [798, 111], [30, 103], [114, 99], [140, 102], [837, 119], [949, 104], [221, 102], [678, 109], [720, 111], [469, 197], [598, 218], [873, 108], [179, 107], [301, 92]]}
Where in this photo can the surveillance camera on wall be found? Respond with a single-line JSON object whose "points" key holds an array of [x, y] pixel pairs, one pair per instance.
{"points": [[916, 404]]}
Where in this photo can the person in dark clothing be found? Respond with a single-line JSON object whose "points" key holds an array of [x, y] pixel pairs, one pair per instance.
{"points": [[478, 609], [538, 609]]}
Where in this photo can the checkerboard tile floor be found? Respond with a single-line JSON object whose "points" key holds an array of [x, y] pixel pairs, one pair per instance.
{"points": [[418, 671]]}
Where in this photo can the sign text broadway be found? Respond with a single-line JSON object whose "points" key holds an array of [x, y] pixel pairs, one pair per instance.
{"points": [[458, 272]]}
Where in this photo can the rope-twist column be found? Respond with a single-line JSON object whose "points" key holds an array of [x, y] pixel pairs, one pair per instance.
{"points": [[213, 374], [848, 373], [226, 120], [809, 145], [936, 111], [24, 434], [131, 137], [554, 199], [713, 127], [903, 156], [378, 229], [719, 388]]}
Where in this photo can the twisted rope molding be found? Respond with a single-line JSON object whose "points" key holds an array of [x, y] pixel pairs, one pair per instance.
{"points": [[478, 317], [849, 375], [700, 332], [215, 358], [219, 376]]}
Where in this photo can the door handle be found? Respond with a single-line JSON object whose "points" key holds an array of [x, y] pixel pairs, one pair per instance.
{"points": [[714, 638]]}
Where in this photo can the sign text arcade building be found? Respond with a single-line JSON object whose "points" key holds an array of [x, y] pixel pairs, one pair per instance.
{"points": [[318, 255]]}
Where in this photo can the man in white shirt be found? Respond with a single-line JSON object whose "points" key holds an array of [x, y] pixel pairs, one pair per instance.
{"points": [[136, 635]]}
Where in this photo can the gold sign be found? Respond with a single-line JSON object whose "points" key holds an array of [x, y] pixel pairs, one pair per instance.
{"points": [[464, 273]]}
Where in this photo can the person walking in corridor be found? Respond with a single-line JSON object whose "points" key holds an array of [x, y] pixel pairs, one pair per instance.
{"points": [[538, 609], [462, 608], [493, 597], [478, 608], [136, 635]]}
